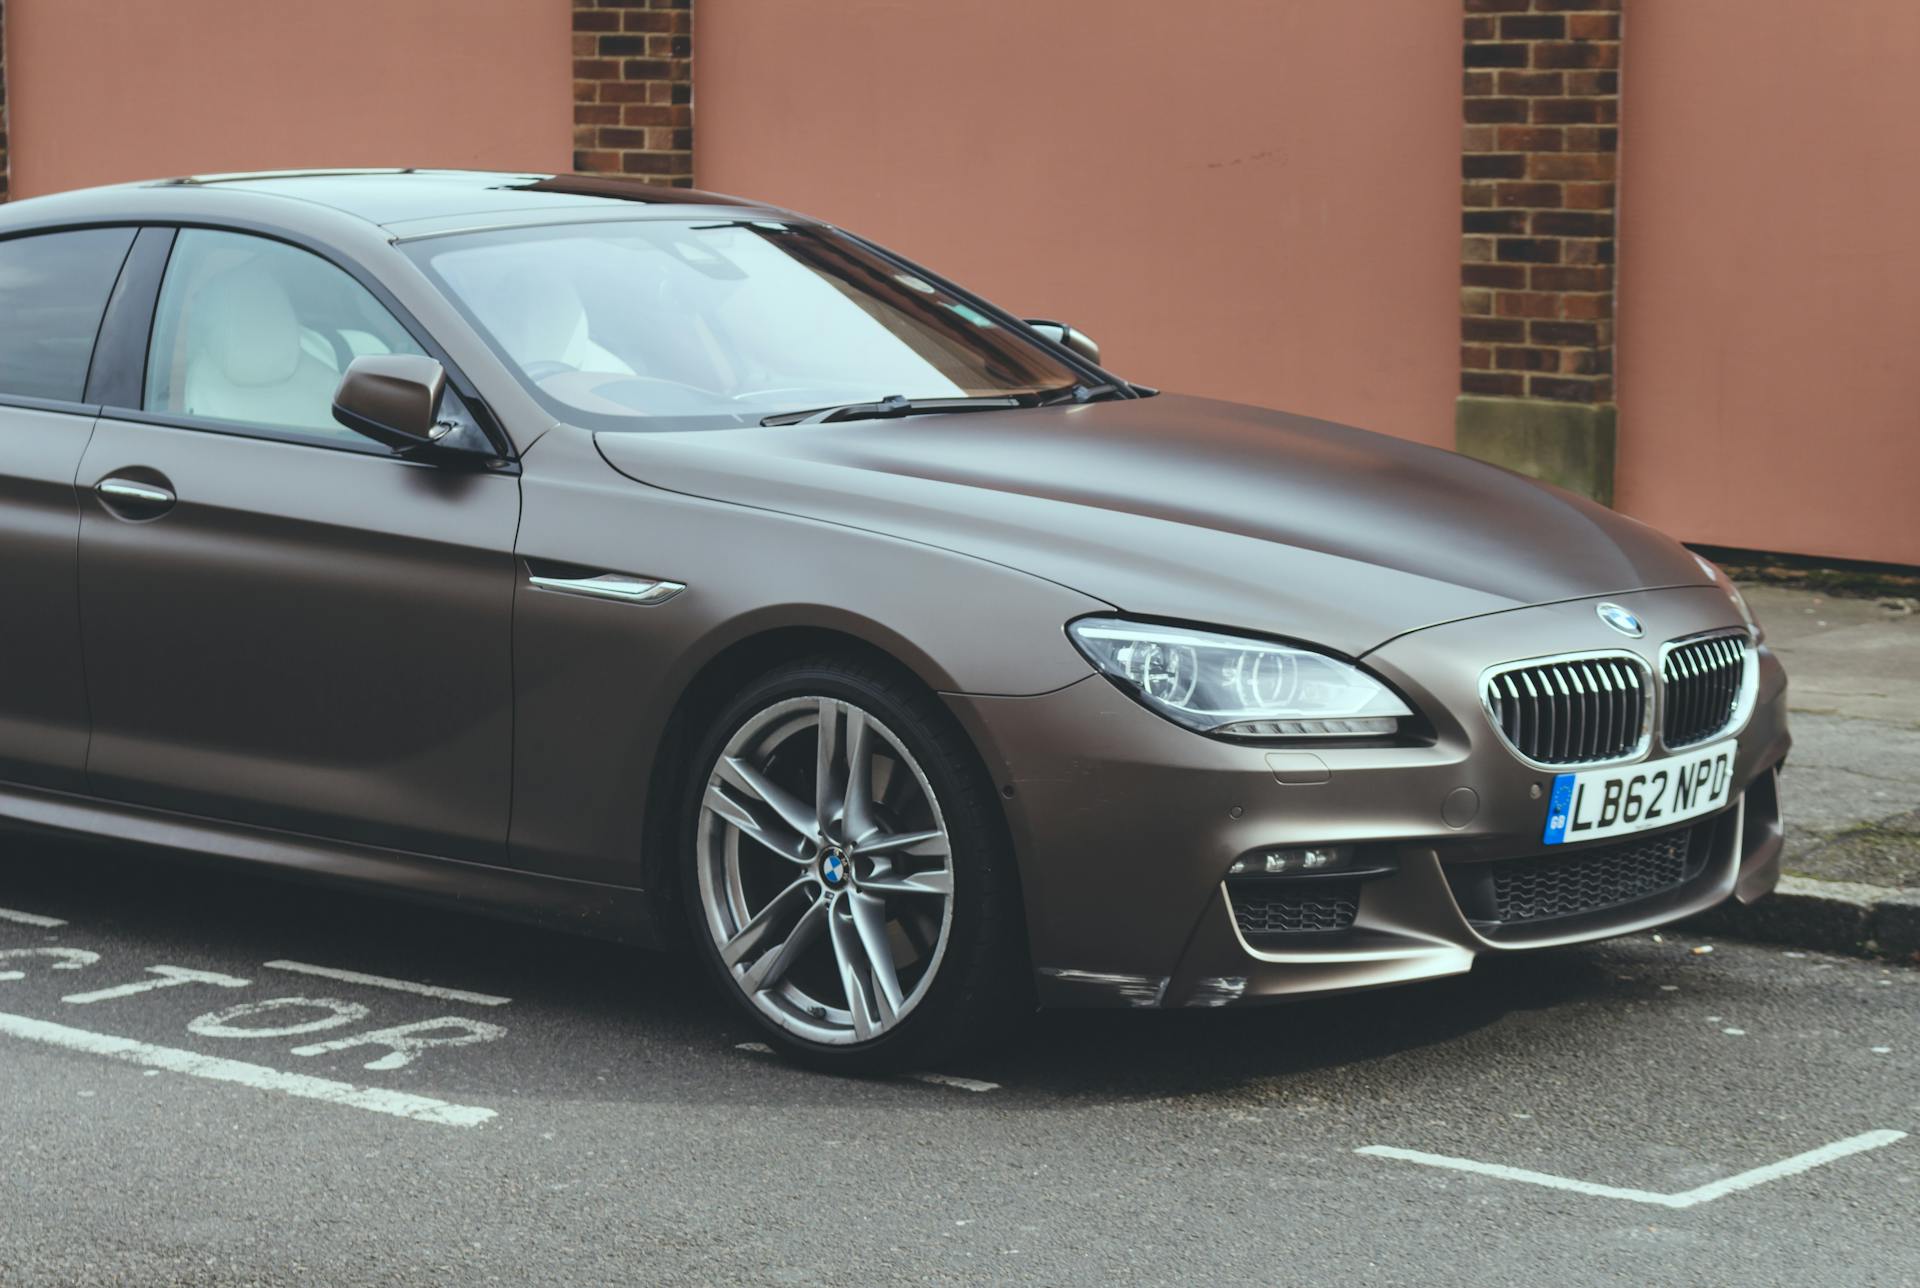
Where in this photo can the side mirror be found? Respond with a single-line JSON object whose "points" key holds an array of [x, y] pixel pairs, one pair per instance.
{"points": [[1060, 333], [394, 399]]}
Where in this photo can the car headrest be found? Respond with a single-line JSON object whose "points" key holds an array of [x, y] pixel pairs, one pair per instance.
{"points": [[248, 329], [543, 314]]}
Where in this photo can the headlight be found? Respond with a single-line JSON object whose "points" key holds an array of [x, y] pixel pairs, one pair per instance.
{"points": [[1718, 576], [1244, 688]]}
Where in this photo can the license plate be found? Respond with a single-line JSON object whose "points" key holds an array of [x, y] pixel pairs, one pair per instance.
{"points": [[1611, 802]]}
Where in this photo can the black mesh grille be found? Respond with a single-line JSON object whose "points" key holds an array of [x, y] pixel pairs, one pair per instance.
{"points": [[1294, 908], [1702, 687], [1572, 711], [1541, 889]]}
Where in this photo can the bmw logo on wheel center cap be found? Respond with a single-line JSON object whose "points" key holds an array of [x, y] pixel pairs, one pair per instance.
{"points": [[1620, 619], [833, 868]]}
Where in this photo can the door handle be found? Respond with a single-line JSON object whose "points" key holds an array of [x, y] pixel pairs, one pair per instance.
{"points": [[134, 498]]}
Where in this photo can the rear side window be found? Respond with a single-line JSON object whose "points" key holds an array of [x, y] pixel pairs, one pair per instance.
{"points": [[53, 293]]}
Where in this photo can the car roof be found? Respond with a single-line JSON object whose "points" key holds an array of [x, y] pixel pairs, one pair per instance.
{"points": [[419, 202], [393, 197]]}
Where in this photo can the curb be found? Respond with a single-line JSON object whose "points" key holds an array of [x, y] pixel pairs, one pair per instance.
{"points": [[1829, 916]]}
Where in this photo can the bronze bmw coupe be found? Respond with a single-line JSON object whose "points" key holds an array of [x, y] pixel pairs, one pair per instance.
{"points": [[671, 566]]}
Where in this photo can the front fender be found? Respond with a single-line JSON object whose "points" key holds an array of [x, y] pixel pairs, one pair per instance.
{"points": [[596, 681]]}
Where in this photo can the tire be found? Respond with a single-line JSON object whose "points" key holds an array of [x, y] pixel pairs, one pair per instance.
{"points": [[802, 895]]}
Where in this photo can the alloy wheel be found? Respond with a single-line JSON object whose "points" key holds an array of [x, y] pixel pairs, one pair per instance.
{"points": [[825, 870]]}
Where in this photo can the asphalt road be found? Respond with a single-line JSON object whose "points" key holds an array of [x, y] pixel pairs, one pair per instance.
{"points": [[603, 1124]]}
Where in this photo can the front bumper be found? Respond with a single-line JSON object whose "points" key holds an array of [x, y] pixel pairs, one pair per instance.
{"points": [[1125, 824]]}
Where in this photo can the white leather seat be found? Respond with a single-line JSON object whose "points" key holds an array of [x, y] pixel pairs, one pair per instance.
{"points": [[540, 318], [245, 359]]}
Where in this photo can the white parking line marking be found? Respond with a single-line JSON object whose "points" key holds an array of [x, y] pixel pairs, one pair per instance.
{"points": [[398, 985], [1687, 1198], [373, 1099], [949, 1080], [31, 919]]}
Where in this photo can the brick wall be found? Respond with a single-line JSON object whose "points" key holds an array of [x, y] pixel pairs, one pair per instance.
{"points": [[1538, 154], [1538, 158], [633, 88]]}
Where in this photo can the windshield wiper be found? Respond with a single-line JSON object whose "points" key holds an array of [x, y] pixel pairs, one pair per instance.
{"points": [[1080, 394], [888, 408]]}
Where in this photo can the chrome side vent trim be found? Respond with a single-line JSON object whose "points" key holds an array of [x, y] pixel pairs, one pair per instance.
{"points": [[623, 587], [1707, 682], [1573, 709]]}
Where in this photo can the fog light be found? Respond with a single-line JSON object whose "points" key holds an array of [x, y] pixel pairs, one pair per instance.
{"points": [[1292, 862]]}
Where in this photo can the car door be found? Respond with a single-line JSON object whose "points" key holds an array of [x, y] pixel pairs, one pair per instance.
{"points": [[53, 292], [284, 624]]}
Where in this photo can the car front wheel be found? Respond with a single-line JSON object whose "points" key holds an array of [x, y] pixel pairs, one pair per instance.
{"points": [[850, 885]]}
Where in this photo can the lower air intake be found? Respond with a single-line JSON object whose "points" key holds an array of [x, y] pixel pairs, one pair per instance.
{"points": [[1546, 888], [1266, 908]]}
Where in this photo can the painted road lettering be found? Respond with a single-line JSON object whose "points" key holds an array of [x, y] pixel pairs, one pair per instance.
{"points": [[222, 1024], [390, 1047], [408, 1040], [63, 959], [166, 977]]}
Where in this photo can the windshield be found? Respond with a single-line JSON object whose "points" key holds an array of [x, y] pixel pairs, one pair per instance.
{"points": [[671, 324]]}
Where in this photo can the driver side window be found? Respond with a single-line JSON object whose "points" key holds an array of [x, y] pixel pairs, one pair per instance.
{"points": [[257, 332]]}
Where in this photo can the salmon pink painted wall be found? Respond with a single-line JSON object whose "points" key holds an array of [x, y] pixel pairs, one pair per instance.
{"points": [[1256, 199], [107, 90], [1769, 343]]}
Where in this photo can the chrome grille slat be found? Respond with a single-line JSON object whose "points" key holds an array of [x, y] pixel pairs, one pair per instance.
{"points": [[1582, 711], [1586, 715], [1530, 716], [1722, 699], [1562, 715], [1576, 710], [1608, 705], [1739, 682], [1702, 679], [1691, 689], [1616, 703], [1596, 731]]}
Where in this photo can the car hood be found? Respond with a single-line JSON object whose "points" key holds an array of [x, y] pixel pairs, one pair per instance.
{"points": [[1189, 508]]}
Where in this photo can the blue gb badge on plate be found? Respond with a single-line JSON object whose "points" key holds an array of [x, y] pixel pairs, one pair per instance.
{"points": [[1558, 809]]}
